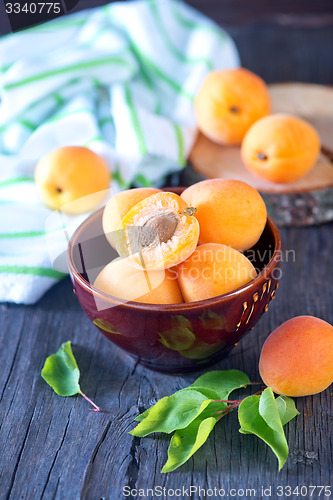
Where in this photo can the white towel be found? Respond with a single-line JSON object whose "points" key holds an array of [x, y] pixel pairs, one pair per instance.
{"points": [[118, 79]]}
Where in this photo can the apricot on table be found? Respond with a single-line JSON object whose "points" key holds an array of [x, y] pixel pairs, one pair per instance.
{"points": [[69, 174], [297, 357], [229, 212], [213, 269], [228, 103], [158, 232], [118, 206], [120, 279], [280, 148]]}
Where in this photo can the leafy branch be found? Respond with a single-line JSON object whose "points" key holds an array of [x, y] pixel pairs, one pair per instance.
{"points": [[192, 413]]}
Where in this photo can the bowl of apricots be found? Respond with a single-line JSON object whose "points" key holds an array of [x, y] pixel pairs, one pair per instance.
{"points": [[176, 277]]}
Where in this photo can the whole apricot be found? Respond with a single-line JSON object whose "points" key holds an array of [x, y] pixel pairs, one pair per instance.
{"points": [[120, 279], [229, 212], [118, 206], [228, 103], [280, 148], [69, 174], [158, 232], [297, 357], [213, 269]]}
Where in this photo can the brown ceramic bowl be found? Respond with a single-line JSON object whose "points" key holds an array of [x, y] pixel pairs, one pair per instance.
{"points": [[180, 337]]}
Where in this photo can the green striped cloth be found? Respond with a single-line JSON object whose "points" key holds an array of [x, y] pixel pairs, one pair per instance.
{"points": [[118, 79]]}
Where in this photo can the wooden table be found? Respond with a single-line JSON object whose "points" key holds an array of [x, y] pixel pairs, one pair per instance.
{"points": [[54, 447]]}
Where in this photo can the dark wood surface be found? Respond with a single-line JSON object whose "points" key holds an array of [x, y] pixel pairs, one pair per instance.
{"points": [[54, 447]]}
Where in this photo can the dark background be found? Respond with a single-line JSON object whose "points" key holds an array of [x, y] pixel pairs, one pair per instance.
{"points": [[53, 447], [281, 40]]}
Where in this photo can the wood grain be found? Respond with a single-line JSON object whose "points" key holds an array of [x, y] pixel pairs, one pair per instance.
{"points": [[67, 451], [53, 447]]}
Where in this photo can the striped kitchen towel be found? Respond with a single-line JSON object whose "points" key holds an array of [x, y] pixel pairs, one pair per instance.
{"points": [[119, 79]]}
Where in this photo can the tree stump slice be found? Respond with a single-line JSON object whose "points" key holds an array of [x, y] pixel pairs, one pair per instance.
{"points": [[304, 202]]}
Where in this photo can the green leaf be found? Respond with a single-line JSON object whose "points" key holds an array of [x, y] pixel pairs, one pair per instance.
{"points": [[171, 413], [269, 411], [209, 393], [185, 442], [61, 372], [222, 381], [206, 391], [259, 415], [142, 416], [287, 409], [214, 385]]}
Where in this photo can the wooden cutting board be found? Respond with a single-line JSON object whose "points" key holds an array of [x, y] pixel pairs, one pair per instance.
{"points": [[304, 202]]}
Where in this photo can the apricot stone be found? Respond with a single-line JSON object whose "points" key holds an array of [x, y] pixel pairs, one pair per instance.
{"points": [[158, 232], [120, 279], [229, 212], [280, 148], [228, 103], [72, 178], [297, 357], [213, 270], [118, 206]]}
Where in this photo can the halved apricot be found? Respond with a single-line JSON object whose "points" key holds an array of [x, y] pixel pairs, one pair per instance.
{"points": [[118, 206], [158, 232]]}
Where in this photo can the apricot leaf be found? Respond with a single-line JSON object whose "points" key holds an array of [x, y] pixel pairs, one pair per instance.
{"points": [[171, 413], [185, 442], [259, 415], [222, 381], [61, 372], [192, 413], [287, 409], [209, 393]]}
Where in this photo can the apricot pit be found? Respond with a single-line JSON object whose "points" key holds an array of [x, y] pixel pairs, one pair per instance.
{"points": [[158, 232]]}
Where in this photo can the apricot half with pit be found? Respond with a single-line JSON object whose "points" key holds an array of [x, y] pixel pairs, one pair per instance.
{"points": [[213, 270], [297, 357], [118, 206], [158, 232]]}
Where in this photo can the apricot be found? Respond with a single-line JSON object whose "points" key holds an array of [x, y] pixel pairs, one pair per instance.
{"points": [[280, 148], [67, 175], [120, 279], [297, 357], [118, 206], [229, 212], [158, 232], [228, 103], [213, 269]]}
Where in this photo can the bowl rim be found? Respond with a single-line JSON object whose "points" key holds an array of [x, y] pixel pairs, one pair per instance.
{"points": [[160, 308]]}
